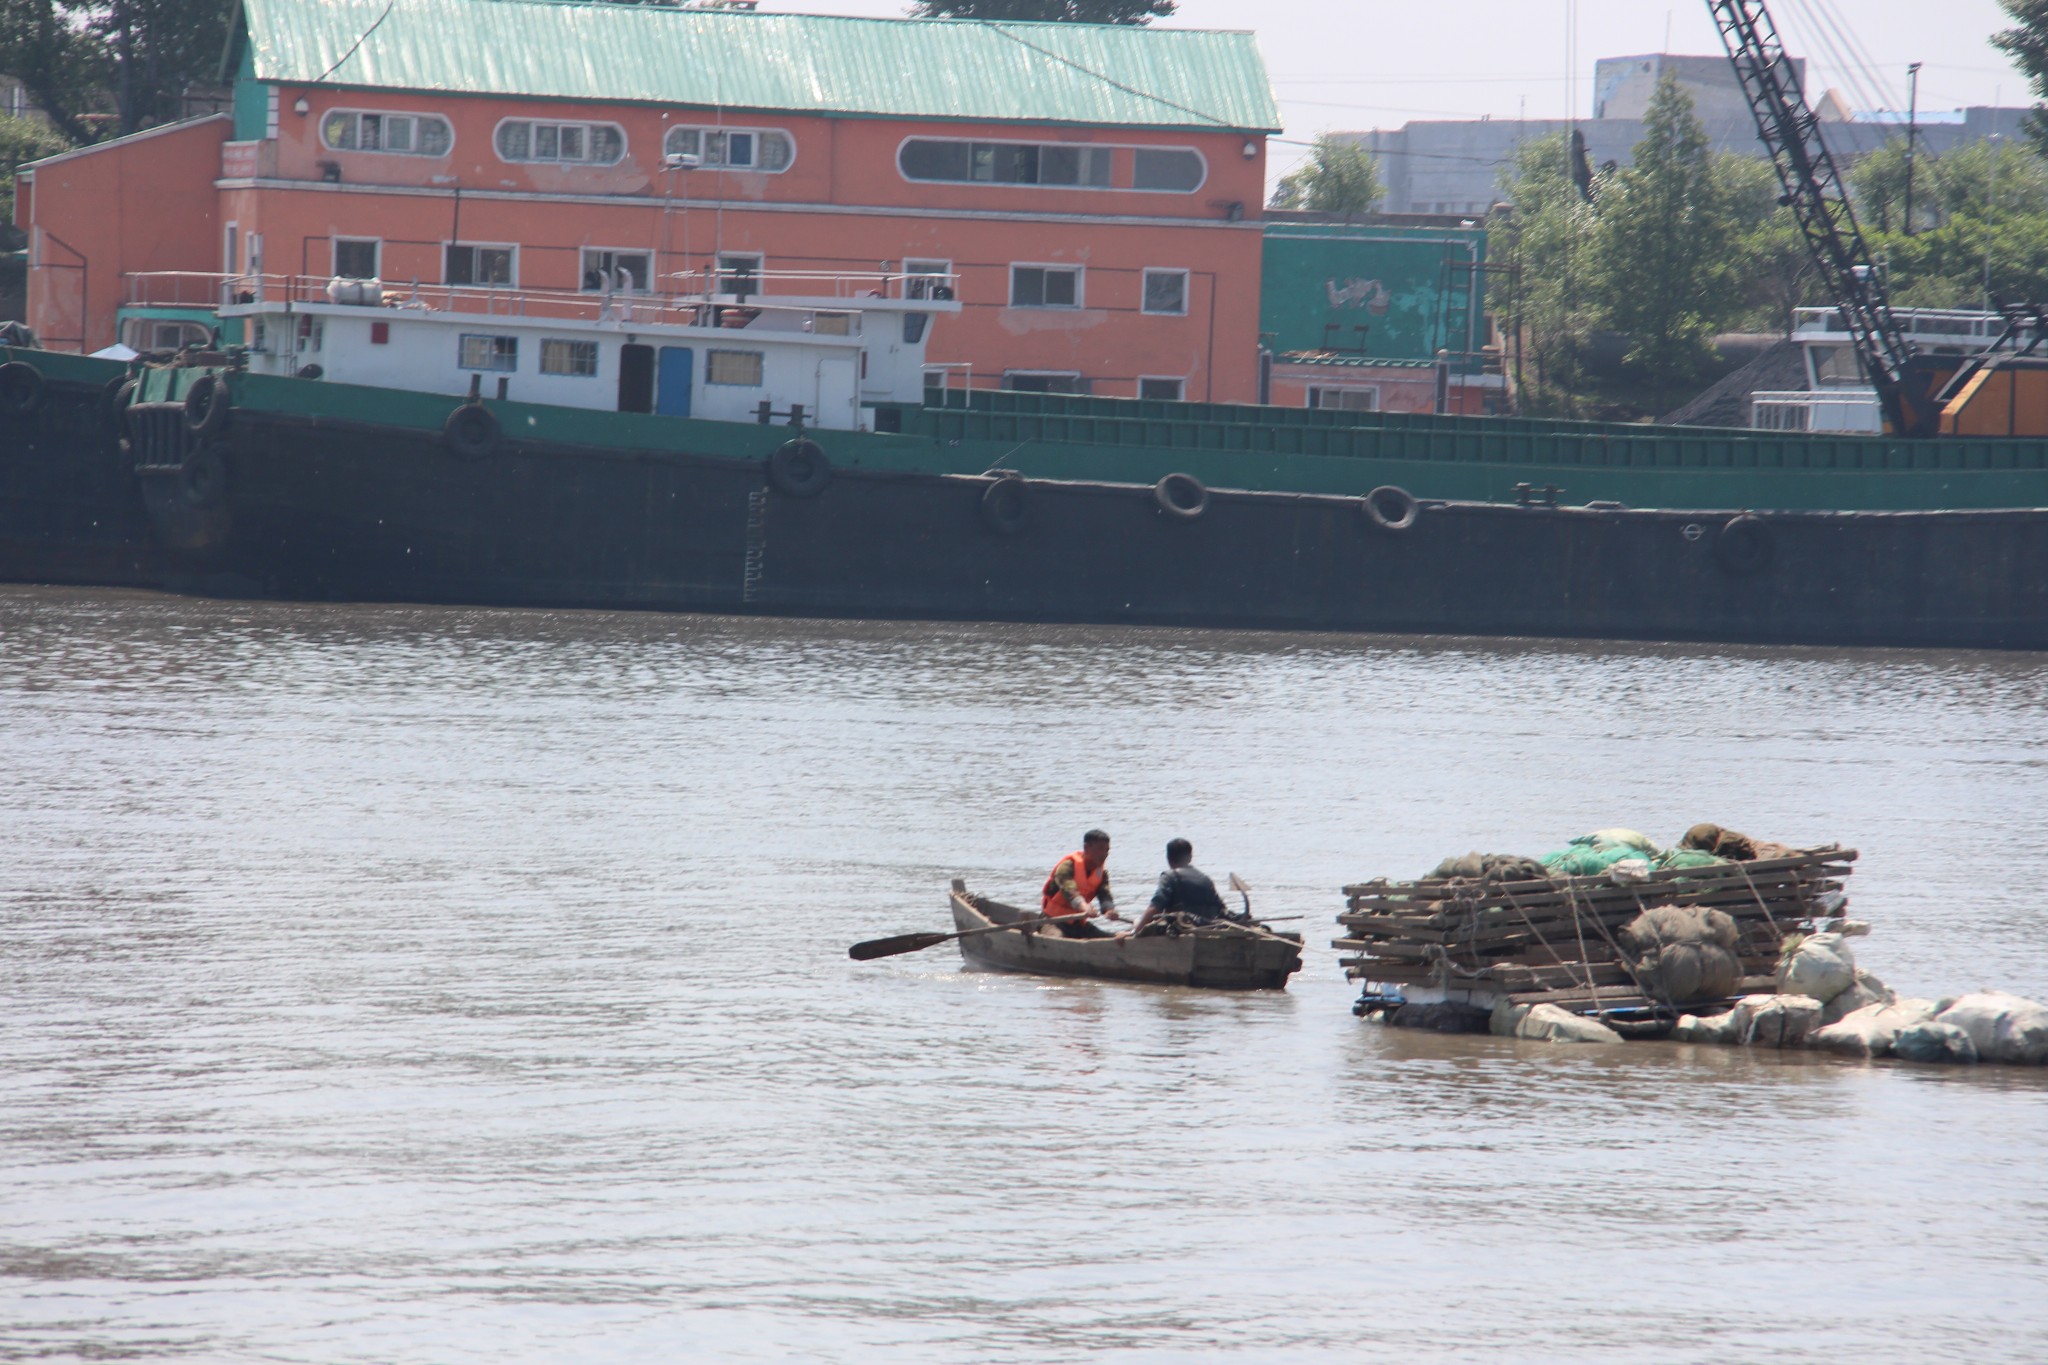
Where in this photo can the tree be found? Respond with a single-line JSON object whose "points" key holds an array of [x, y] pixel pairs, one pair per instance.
{"points": [[1071, 11], [2027, 44], [58, 62], [1338, 177], [21, 140], [78, 57]]}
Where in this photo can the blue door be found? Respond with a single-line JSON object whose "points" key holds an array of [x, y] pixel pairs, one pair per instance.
{"points": [[672, 395]]}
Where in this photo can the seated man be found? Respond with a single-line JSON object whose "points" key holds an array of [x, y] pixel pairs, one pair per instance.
{"points": [[1184, 889], [1076, 880]]}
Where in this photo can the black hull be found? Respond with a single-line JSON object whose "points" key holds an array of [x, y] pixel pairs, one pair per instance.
{"points": [[71, 509], [329, 510]]}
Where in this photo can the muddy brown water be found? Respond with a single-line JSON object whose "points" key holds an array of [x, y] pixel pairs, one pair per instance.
{"points": [[394, 984]]}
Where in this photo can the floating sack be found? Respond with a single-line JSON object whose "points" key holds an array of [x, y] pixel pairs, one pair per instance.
{"points": [[1548, 1024], [2002, 1027], [1864, 992], [1685, 953], [1818, 965], [1491, 867], [1934, 1041], [1872, 1030], [1755, 1021]]}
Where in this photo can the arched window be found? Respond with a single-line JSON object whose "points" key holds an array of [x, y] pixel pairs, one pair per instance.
{"points": [[366, 130], [733, 149], [585, 144]]}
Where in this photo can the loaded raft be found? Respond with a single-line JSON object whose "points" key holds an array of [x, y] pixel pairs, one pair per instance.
{"points": [[1634, 946]]}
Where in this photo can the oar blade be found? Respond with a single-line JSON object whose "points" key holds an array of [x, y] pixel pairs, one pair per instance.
{"points": [[893, 947]]}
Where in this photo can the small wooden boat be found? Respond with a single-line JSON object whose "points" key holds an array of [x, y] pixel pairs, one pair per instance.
{"points": [[1224, 956]]}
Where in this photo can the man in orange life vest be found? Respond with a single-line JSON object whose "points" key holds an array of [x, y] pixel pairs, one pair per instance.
{"points": [[1076, 880]]}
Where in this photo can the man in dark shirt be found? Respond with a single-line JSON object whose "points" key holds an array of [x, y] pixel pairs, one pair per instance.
{"points": [[1184, 889]]}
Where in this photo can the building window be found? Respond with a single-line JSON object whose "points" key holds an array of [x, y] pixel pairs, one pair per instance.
{"points": [[355, 260], [1162, 390], [733, 149], [1348, 399], [353, 130], [311, 332], [1044, 381], [624, 271], [742, 368], [1166, 291], [488, 352], [928, 280], [1005, 163], [590, 144], [739, 272], [1177, 170], [486, 265], [1045, 286], [576, 358]]}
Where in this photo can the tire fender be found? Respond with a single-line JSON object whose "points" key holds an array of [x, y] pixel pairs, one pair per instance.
{"points": [[1391, 508], [1745, 545], [206, 405], [471, 432], [1181, 496], [1006, 504], [203, 478], [798, 468], [21, 388]]}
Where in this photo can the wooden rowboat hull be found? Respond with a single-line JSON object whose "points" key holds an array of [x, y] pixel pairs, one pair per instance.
{"points": [[1230, 960]]}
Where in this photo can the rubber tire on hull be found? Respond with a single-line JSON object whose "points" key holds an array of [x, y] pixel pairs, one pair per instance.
{"points": [[203, 478], [1391, 508], [21, 388], [115, 397], [206, 405], [1181, 496], [799, 469], [1006, 504], [1745, 545], [471, 432]]}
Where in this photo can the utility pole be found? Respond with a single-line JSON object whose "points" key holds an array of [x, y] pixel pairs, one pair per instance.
{"points": [[1912, 135]]}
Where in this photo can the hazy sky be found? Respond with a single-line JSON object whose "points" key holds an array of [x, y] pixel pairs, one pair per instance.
{"points": [[1353, 64]]}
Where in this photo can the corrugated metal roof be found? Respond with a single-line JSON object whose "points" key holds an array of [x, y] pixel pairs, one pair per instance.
{"points": [[1092, 74]]}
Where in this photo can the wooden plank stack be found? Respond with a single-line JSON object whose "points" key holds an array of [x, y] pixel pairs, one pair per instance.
{"points": [[1558, 940]]}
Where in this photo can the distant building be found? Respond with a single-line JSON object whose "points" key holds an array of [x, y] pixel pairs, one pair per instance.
{"points": [[1455, 166]]}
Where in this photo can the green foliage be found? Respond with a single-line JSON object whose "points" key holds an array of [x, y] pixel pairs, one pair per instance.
{"points": [[2027, 44], [133, 57], [1980, 219], [1338, 177], [1072, 11], [21, 140]]}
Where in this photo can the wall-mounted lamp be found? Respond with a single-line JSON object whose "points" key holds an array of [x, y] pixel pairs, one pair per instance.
{"points": [[300, 107], [1251, 150]]}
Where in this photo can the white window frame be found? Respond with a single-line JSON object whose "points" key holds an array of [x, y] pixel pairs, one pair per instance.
{"points": [[760, 357], [512, 247], [919, 279], [1179, 380], [1314, 391], [463, 338], [587, 125], [596, 357], [231, 246], [415, 115], [706, 131], [1080, 274], [1196, 188], [1080, 380], [377, 253], [1144, 281], [583, 268], [720, 270]]}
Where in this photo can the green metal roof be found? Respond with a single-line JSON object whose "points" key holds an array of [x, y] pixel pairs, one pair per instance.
{"points": [[1101, 75]]}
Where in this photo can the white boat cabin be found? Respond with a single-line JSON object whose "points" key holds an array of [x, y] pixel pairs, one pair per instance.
{"points": [[826, 357], [1838, 396]]}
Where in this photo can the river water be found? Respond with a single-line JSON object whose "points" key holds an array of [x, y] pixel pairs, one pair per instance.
{"points": [[394, 984]]}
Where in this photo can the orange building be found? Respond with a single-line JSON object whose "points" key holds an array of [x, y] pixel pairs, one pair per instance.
{"points": [[1091, 193]]}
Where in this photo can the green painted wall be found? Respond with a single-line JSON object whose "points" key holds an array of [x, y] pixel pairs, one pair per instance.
{"points": [[1413, 289], [252, 101]]}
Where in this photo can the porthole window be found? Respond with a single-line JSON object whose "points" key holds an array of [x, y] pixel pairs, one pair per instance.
{"points": [[588, 144], [1177, 170], [733, 149], [362, 130], [1006, 163]]}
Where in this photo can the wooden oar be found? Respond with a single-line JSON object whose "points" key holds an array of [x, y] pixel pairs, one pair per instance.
{"points": [[917, 943]]}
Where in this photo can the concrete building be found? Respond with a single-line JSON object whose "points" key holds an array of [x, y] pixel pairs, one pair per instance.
{"points": [[1092, 193], [1455, 166]]}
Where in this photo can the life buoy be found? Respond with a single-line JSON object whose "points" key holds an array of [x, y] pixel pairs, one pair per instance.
{"points": [[1391, 508], [21, 387], [203, 478], [115, 396], [799, 469], [206, 405], [471, 432], [1181, 496], [1006, 504], [1745, 545]]}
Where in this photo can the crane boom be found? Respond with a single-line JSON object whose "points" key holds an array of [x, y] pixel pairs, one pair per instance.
{"points": [[1820, 202]]}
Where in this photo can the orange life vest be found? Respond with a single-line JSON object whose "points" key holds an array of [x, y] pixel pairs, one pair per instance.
{"points": [[1053, 901]]}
